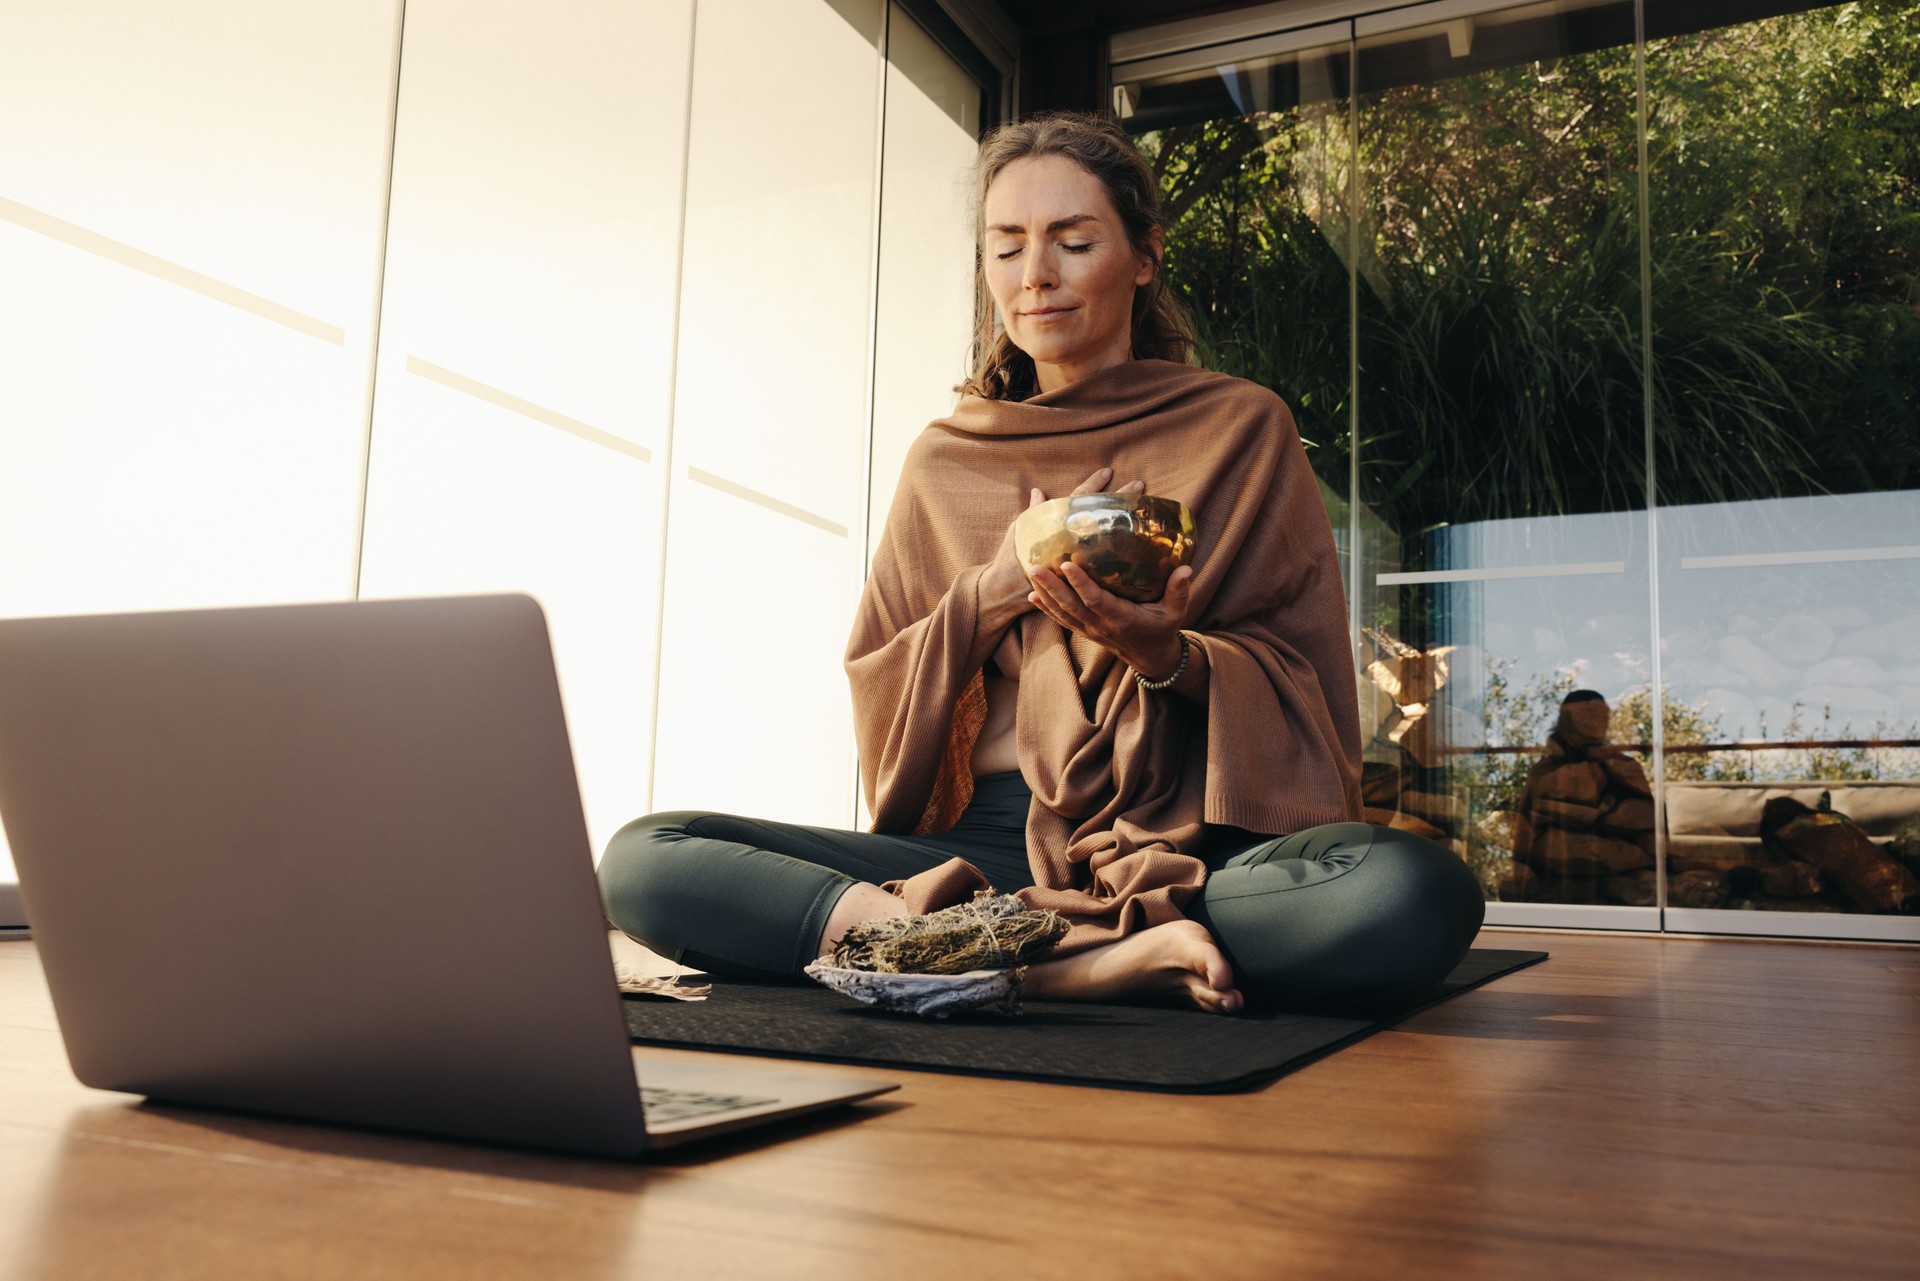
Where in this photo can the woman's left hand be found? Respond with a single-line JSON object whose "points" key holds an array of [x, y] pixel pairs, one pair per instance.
{"points": [[1144, 637]]}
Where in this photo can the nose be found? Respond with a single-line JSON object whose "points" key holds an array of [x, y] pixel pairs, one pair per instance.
{"points": [[1041, 269]]}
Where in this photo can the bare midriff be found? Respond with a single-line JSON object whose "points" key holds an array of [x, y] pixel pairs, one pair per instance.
{"points": [[993, 751]]}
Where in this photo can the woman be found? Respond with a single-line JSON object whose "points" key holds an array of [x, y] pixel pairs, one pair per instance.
{"points": [[1177, 779]]}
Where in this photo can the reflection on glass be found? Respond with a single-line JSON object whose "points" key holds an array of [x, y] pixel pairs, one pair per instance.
{"points": [[1785, 260], [1258, 199], [1476, 182], [1502, 444]]}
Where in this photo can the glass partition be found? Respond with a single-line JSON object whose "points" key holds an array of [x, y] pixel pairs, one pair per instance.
{"points": [[1617, 308], [1784, 181], [1504, 596]]}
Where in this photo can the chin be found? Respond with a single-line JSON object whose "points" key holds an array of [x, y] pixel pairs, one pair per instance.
{"points": [[1049, 350]]}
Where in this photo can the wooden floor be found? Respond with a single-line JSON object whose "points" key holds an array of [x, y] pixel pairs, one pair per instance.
{"points": [[1635, 1107]]}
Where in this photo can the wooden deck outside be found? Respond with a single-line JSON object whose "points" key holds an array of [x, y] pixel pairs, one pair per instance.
{"points": [[1635, 1107]]}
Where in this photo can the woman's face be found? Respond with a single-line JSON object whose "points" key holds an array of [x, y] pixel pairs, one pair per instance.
{"points": [[1060, 268]]}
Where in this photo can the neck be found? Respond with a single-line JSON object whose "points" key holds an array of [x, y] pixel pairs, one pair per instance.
{"points": [[1052, 377]]}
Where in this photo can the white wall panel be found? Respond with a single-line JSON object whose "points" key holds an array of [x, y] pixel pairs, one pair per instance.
{"points": [[754, 715], [778, 293], [240, 140], [774, 375], [190, 207], [925, 296], [471, 497], [521, 416]]}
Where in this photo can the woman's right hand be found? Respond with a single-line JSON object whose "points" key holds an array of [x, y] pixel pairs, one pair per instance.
{"points": [[1004, 588]]}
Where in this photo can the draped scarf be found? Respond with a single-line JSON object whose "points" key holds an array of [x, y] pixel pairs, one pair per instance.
{"points": [[1125, 781]]}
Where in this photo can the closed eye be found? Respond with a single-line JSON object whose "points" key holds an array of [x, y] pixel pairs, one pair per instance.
{"points": [[1072, 249]]}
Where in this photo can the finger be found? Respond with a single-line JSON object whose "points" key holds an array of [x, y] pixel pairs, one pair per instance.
{"points": [[1058, 599], [1085, 589], [1095, 483], [1052, 608], [1137, 487], [1178, 597], [1035, 498]]}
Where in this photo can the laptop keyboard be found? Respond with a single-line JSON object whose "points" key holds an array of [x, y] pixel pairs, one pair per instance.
{"points": [[662, 1104]]}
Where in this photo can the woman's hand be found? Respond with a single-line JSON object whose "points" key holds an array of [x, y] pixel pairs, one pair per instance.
{"points": [[1005, 592], [1144, 637]]}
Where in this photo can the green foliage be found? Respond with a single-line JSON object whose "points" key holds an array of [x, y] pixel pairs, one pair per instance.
{"points": [[1496, 247]]}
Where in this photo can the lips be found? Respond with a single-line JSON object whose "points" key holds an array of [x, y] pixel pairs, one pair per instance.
{"points": [[1049, 313]]}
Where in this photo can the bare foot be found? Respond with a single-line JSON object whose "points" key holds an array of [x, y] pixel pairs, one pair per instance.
{"points": [[862, 902], [1177, 958]]}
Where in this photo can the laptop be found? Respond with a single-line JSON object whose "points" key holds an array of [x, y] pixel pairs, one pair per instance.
{"points": [[328, 861]]}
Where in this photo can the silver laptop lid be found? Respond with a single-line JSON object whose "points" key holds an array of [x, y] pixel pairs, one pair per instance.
{"points": [[326, 860]]}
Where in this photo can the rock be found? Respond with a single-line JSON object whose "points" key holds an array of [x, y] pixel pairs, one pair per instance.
{"points": [[1714, 854], [1843, 617], [1872, 878], [1849, 669], [1580, 782], [1754, 663], [1798, 639], [1400, 822], [1697, 889], [1790, 880], [1630, 817], [1559, 852], [1517, 885], [1632, 889]]}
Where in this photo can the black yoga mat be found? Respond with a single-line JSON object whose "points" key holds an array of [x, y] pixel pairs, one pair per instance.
{"points": [[1135, 1047]]}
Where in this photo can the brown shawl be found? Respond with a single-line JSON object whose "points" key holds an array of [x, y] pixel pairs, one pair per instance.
{"points": [[1124, 781]]}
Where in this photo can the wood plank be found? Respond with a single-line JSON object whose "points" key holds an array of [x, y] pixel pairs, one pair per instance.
{"points": [[1636, 1106]]}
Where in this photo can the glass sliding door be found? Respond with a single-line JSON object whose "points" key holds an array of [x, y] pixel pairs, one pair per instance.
{"points": [[1255, 159], [1626, 445], [1784, 172], [1503, 592]]}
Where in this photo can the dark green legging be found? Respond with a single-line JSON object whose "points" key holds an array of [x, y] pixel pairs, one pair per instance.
{"points": [[1345, 915]]}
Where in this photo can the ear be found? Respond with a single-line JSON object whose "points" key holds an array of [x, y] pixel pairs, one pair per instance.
{"points": [[1157, 241]]}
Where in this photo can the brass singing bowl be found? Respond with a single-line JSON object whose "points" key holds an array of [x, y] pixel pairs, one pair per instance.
{"points": [[1130, 544]]}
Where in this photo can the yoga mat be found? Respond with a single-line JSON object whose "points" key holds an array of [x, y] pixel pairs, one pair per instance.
{"points": [[1137, 1047]]}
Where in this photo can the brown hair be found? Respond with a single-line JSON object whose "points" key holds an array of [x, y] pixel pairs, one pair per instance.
{"points": [[1161, 329]]}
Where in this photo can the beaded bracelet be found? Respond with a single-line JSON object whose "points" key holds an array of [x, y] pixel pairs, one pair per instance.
{"points": [[1178, 671]]}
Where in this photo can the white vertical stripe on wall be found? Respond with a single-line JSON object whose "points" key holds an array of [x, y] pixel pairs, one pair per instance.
{"points": [[771, 396], [190, 204], [925, 298], [924, 294], [525, 353]]}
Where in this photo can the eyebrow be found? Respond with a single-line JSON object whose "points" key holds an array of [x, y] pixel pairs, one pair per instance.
{"points": [[1058, 224]]}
